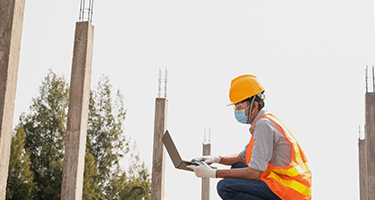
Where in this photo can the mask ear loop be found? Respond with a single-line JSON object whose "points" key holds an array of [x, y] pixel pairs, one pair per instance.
{"points": [[250, 111]]}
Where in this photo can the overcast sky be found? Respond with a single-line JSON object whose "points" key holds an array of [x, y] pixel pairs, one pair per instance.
{"points": [[310, 57]]}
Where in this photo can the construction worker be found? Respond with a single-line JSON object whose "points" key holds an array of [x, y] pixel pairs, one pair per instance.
{"points": [[272, 166]]}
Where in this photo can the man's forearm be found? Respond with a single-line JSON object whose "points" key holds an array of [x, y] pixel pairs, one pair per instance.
{"points": [[230, 160], [244, 173]]}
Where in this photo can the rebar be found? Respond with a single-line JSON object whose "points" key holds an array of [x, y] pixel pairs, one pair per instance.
{"points": [[85, 14], [366, 78]]}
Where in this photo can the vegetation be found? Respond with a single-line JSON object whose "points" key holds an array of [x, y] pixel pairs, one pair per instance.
{"points": [[36, 161], [20, 183]]}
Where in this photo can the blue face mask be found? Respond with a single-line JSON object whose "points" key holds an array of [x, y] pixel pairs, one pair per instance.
{"points": [[241, 116]]}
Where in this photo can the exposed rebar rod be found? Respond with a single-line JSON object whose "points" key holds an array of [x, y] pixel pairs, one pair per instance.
{"points": [[165, 84], [209, 135], [373, 79], [86, 13], [91, 11], [204, 136], [366, 78], [80, 10], [159, 85]]}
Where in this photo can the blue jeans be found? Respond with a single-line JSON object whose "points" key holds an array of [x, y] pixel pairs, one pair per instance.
{"points": [[244, 189]]}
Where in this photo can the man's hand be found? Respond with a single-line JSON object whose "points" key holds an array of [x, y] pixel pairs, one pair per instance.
{"points": [[207, 159], [203, 170]]}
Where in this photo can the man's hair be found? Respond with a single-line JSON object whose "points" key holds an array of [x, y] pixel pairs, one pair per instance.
{"points": [[261, 102]]}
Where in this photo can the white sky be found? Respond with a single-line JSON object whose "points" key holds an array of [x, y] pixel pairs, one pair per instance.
{"points": [[309, 55]]}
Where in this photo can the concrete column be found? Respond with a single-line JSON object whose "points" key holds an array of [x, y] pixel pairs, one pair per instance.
{"points": [[76, 129], [158, 158], [206, 181], [370, 144], [11, 22], [362, 169]]}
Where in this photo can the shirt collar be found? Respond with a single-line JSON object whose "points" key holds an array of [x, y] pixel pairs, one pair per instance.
{"points": [[260, 114]]}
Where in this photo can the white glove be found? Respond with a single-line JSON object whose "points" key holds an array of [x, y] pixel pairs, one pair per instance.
{"points": [[203, 170], [207, 159]]}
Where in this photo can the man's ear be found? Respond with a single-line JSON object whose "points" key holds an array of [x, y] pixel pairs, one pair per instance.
{"points": [[255, 106]]}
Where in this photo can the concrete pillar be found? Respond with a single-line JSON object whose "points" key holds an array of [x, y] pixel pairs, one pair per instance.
{"points": [[370, 144], [11, 22], [76, 129], [206, 181], [158, 158], [362, 169]]}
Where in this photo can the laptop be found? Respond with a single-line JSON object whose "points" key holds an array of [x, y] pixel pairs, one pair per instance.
{"points": [[173, 153]]}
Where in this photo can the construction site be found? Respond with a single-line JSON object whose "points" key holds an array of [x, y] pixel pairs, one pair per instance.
{"points": [[174, 62]]}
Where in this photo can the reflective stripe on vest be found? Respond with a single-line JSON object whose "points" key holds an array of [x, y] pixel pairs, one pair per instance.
{"points": [[295, 185], [279, 179], [294, 171]]}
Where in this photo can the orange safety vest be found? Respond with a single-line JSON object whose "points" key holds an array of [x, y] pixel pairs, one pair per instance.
{"points": [[290, 182]]}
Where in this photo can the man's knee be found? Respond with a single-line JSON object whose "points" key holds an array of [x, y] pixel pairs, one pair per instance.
{"points": [[220, 188], [223, 189], [220, 185]]}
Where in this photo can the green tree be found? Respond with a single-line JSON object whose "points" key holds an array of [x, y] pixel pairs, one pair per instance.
{"points": [[45, 135], [106, 145], [20, 183], [117, 183], [90, 181], [134, 184], [138, 184], [107, 142]]}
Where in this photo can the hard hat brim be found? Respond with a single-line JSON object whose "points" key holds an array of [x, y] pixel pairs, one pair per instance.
{"points": [[231, 104]]}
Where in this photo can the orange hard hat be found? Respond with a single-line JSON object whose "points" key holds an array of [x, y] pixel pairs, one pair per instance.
{"points": [[244, 87]]}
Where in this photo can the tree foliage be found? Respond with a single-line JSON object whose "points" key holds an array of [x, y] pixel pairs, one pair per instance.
{"points": [[133, 184], [90, 181], [45, 135], [104, 131], [37, 161], [20, 183], [138, 182]]}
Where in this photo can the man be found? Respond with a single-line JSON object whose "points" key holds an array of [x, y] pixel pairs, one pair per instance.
{"points": [[272, 166]]}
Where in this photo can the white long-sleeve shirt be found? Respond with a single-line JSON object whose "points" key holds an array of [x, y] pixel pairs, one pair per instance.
{"points": [[270, 145]]}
